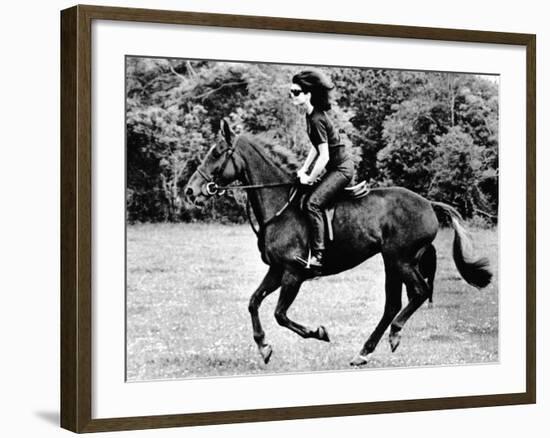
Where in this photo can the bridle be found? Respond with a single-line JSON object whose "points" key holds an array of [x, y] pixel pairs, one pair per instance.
{"points": [[213, 188]]}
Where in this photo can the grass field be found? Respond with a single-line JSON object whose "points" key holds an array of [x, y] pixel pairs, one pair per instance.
{"points": [[188, 287]]}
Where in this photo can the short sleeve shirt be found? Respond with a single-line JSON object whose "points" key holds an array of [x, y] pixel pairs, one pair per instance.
{"points": [[320, 130]]}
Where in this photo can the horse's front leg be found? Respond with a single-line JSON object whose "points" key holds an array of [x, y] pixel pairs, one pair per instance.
{"points": [[290, 286], [269, 284]]}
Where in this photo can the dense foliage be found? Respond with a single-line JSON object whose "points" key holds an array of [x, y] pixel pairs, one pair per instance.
{"points": [[434, 133]]}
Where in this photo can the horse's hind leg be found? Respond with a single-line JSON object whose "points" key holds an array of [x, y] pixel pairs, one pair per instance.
{"points": [[290, 287], [418, 292], [269, 284], [391, 308], [428, 266]]}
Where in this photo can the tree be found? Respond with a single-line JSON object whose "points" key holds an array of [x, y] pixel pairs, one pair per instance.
{"points": [[449, 120], [162, 141], [410, 134], [403, 127], [457, 170]]}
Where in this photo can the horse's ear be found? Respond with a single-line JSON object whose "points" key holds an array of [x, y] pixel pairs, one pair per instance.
{"points": [[227, 132]]}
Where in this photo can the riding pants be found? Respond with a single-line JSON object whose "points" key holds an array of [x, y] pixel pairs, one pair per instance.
{"points": [[331, 185]]}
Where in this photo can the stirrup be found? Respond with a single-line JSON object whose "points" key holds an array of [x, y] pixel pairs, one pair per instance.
{"points": [[307, 263], [304, 262]]}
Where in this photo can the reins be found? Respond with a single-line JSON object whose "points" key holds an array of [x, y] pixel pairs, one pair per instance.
{"points": [[252, 186], [291, 197], [212, 188]]}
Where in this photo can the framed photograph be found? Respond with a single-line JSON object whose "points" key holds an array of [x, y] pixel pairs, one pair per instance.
{"points": [[270, 218]]}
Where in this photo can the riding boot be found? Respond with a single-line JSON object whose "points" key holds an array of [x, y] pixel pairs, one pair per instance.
{"points": [[332, 184], [316, 260]]}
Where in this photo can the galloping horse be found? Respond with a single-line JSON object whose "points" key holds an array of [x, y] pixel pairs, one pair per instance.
{"points": [[393, 221]]}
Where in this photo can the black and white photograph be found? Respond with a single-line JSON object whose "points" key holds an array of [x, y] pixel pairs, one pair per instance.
{"points": [[274, 219], [304, 218]]}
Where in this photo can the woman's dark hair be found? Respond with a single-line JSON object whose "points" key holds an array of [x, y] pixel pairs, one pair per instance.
{"points": [[318, 85]]}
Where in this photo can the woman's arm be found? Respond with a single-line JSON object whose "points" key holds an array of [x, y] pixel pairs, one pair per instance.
{"points": [[320, 163], [309, 159]]}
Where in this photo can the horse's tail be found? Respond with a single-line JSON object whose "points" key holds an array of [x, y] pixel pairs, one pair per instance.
{"points": [[475, 271]]}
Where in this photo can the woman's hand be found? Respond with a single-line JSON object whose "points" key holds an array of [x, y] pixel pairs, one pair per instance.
{"points": [[305, 179]]}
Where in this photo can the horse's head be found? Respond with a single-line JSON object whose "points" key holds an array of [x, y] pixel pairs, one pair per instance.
{"points": [[220, 166]]}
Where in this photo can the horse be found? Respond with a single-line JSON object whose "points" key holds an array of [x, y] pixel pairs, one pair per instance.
{"points": [[393, 221], [427, 266]]}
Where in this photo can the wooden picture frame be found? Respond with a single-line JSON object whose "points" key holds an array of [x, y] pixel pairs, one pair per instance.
{"points": [[76, 218]]}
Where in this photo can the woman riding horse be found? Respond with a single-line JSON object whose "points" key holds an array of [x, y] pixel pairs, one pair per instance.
{"points": [[310, 90], [393, 221]]}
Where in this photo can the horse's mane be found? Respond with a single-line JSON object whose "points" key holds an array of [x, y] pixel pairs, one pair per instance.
{"points": [[283, 157]]}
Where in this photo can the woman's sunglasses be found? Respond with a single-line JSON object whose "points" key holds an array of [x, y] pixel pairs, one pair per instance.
{"points": [[295, 92]]}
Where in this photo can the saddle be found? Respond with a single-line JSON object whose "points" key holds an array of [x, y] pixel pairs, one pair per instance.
{"points": [[352, 192]]}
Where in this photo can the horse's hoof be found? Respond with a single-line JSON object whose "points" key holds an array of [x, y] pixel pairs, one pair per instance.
{"points": [[395, 339], [266, 351], [430, 305], [322, 334], [359, 360]]}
